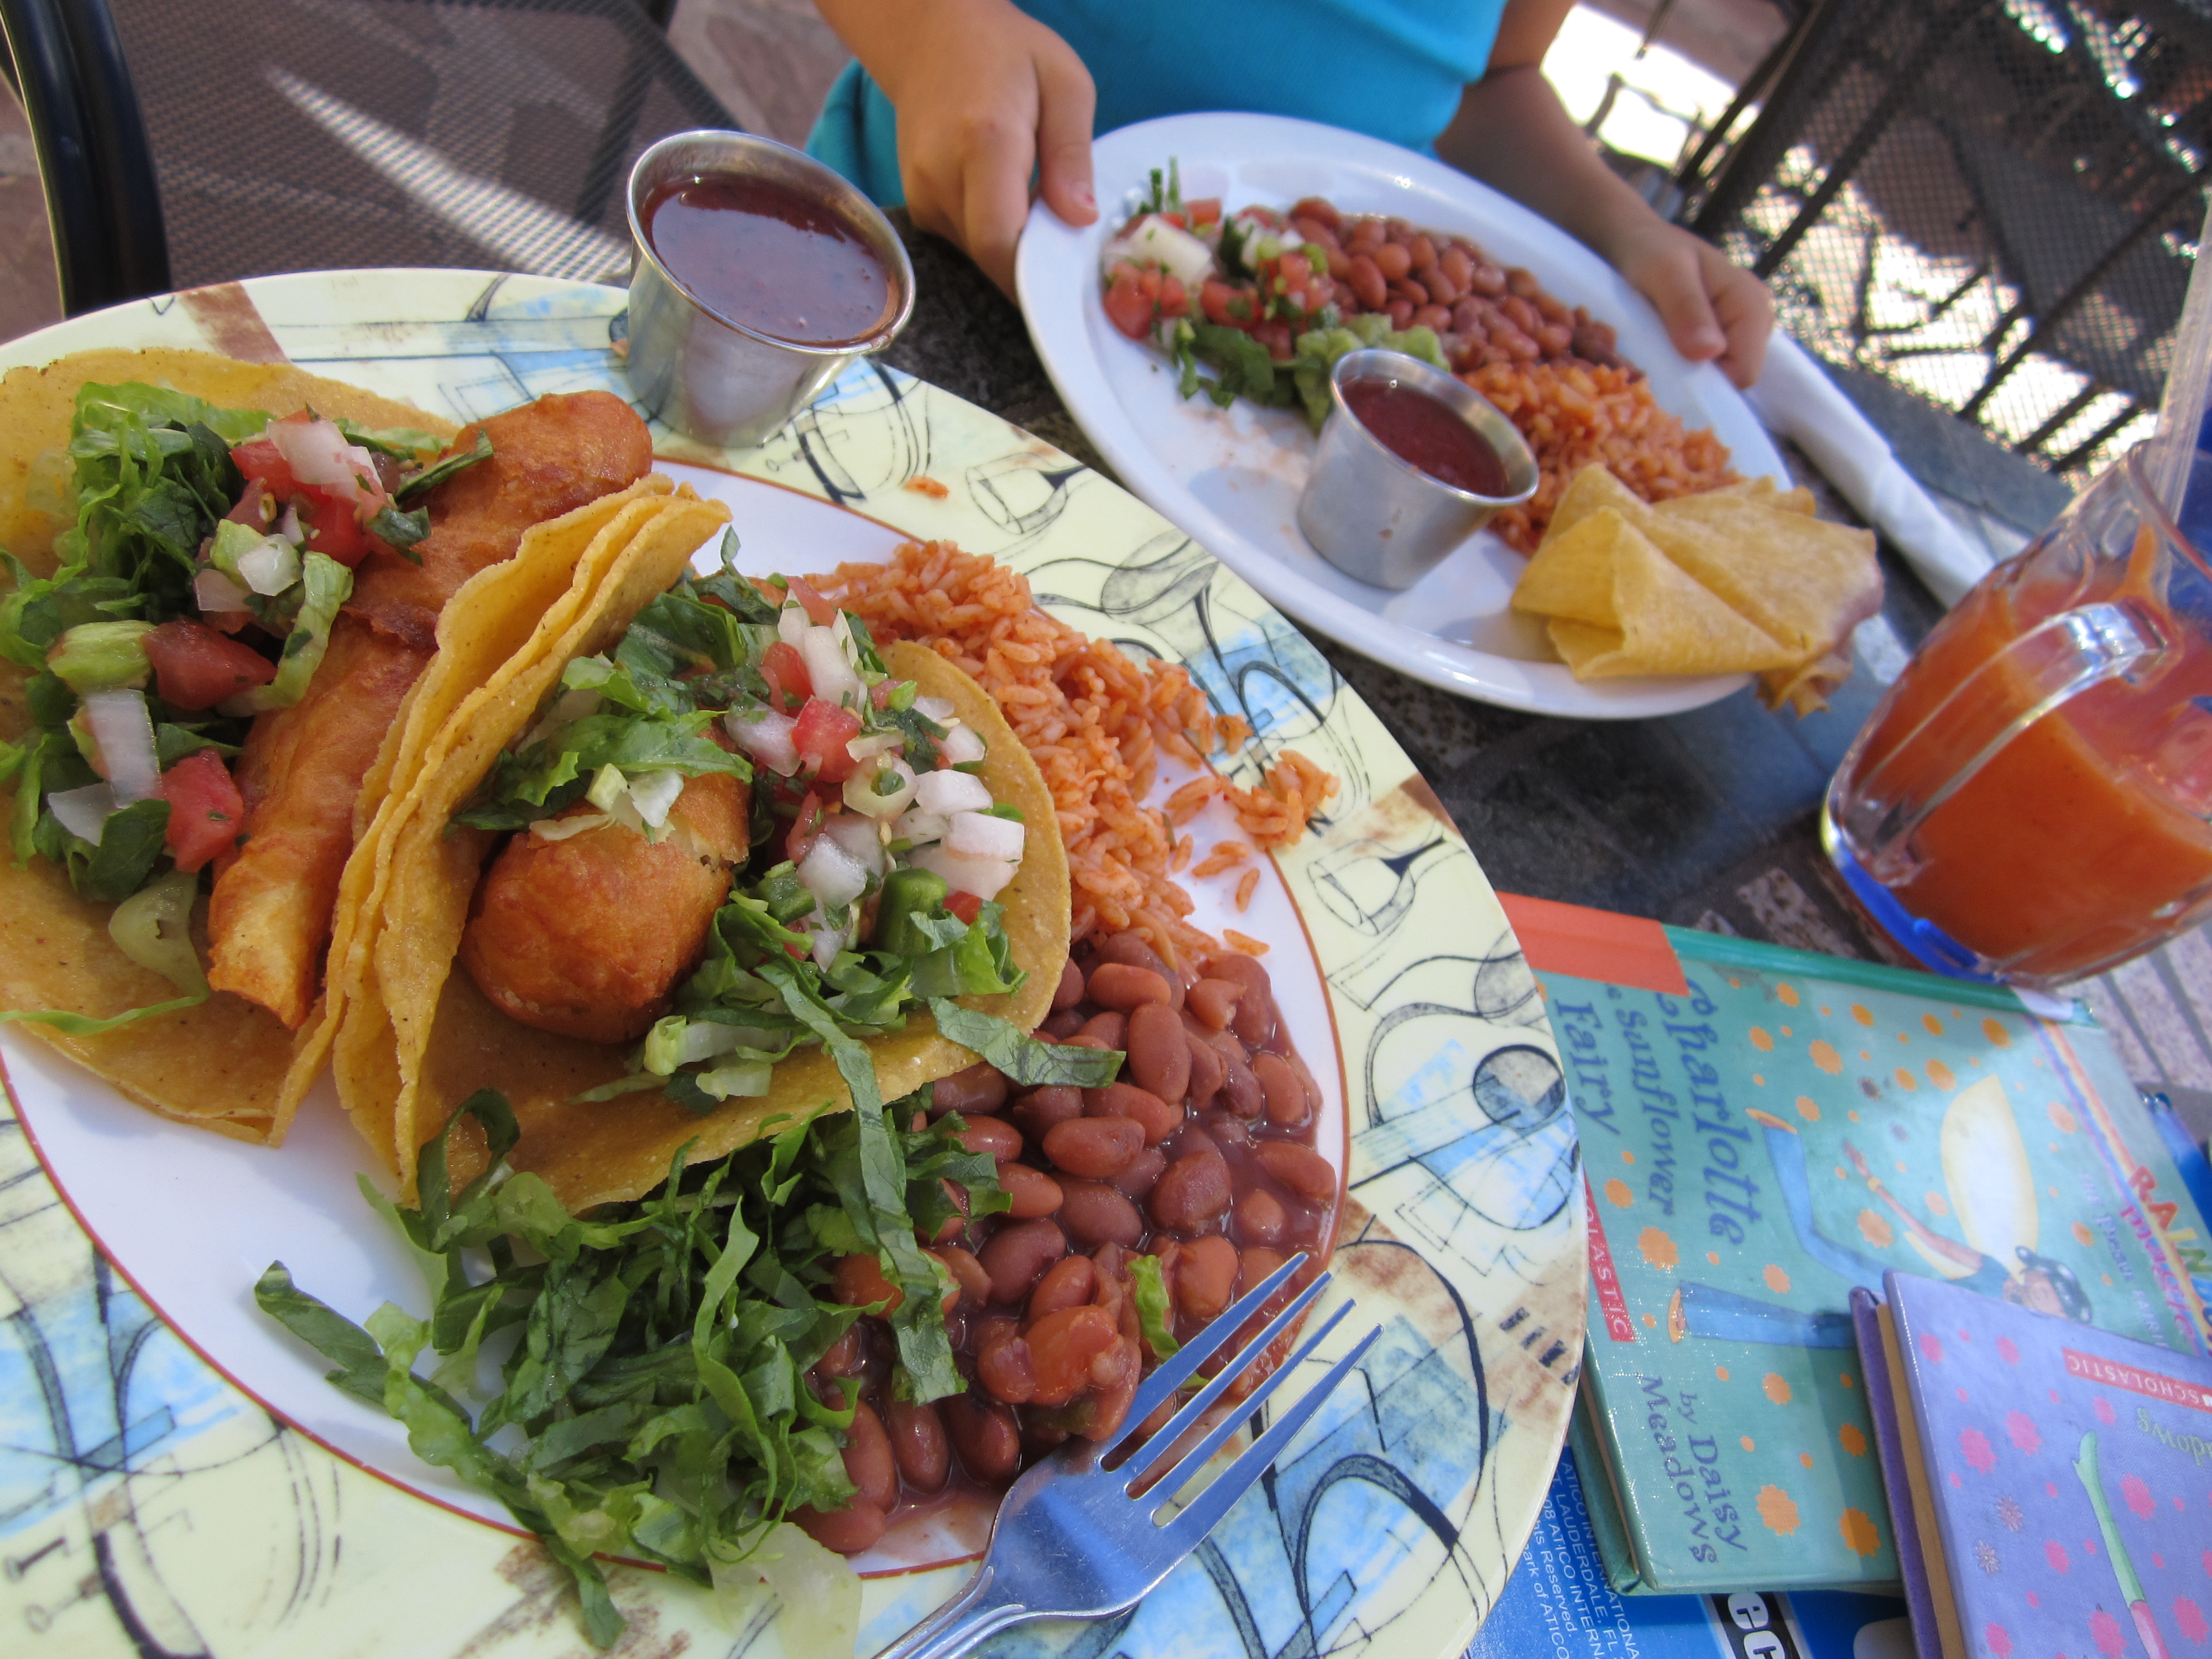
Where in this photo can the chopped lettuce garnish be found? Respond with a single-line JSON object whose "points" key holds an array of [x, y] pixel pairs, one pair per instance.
{"points": [[660, 1374], [1154, 1313], [323, 586], [1027, 1062], [417, 483]]}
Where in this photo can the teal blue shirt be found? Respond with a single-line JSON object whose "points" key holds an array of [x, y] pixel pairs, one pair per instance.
{"points": [[1392, 69]]}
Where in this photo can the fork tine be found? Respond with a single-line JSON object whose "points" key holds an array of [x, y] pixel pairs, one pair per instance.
{"points": [[1174, 1371], [1195, 1460], [1184, 1532], [1155, 1448]]}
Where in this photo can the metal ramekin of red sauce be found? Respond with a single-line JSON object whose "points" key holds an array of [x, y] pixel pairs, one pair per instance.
{"points": [[761, 275]]}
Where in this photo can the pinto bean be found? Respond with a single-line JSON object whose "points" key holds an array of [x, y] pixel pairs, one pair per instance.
{"points": [[1407, 288], [1431, 316], [1241, 1090], [1287, 1106], [978, 1088], [1254, 1023], [1110, 1400], [1392, 260], [1442, 288], [1205, 1277], [1068, 1283], [869, 1464], [859, 1526], [1063, 1347], [859, 1281], [1301, 1168], [1145, 1169], [1039, 1109], [1095, 1213], [1069, 991], [1061, 1024], [1001, 1140], [1368, 284], [1130, 950], [845, 1357], [1098, 1147], [1455, 263], [1468, 316], [974, 1283], [984, 1435], [1158, 1059], [1420, 250], [1034, 1192], [1487, 279], [1522, 283], [1556, 340], [1005, 1370], [1213, 999], [1117, 985], [1193, 1193], [1016, 1256], [1253, 1267], [918, 1444], [1518, 312], [1259, 1218], [1110, 1030], [1208, 1069], [1159, 1119]]}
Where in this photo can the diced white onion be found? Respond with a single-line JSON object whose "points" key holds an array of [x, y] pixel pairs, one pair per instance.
{"points": [[766, 735], [83, 813], [939, 709], [984, 877], [827, 669], [871, 744], [862, 791], [608, 785], [317, 453], [562, 829], [567, 709], [980, 836], [833, 875], [125, 731], [949, 792], [917, 828], [215, 593], [271, 566], [828, 941], [962, 746], [288, 526], [791, 623], [859, 837], [1152, 241], [654, 794]]}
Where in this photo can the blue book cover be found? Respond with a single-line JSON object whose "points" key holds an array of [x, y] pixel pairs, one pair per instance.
{"points": [[1558, 1606], [2061, 1477]]}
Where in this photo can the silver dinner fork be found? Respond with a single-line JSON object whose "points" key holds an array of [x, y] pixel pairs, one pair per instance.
{"points": [[1071, 1542]]}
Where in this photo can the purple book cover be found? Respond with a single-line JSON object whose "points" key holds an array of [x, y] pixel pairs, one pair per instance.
{"points": [[1882, 1406], [2071, 1476]]}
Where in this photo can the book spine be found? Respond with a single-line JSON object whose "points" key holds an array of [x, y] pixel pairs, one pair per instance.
{"points": [[1889, 1447], [1600, 1500]]}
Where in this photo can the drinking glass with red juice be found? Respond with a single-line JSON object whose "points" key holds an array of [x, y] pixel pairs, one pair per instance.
{"points": [[2029, 801]]}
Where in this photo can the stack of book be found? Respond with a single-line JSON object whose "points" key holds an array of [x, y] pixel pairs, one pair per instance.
{"points": [[1766, 1132]]}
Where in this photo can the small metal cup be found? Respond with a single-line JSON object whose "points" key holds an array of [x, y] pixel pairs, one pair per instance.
{"points": [[1383, 519], [713, 378]]}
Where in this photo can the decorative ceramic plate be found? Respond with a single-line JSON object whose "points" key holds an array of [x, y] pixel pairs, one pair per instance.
{"points": [[1231, 477], [176, 1477]]}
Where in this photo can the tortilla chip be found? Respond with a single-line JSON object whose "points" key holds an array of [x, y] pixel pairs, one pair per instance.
{"points": [[221, 1064], [597, 1152], [1616, 606]]}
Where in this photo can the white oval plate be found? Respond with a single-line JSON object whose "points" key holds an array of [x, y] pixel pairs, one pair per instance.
{"points": [[171, 1461], [1231, 478]]}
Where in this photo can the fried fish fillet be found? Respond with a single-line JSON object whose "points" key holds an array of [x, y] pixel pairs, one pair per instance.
{"points": [[588, 936], [302, 767]]}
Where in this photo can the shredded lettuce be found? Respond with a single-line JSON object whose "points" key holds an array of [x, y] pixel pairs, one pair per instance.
{"points": [[1154, 1313], [323, 586], [660, 1378]]}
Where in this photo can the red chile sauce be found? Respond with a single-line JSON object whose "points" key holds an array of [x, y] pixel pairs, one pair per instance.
{"points": [[763, 255], [1425, 433]]}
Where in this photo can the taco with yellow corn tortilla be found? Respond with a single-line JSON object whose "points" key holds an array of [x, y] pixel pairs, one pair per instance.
{"points": [[699, 860]]}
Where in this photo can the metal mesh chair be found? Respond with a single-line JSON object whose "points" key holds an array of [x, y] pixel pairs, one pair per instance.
{"points": [[294, 135], [1993, 203]]}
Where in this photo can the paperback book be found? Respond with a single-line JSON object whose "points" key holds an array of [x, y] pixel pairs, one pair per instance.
{"points": [[1763, 1129], [2059, 1479]]}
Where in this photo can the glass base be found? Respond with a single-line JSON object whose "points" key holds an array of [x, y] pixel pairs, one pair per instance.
{"points": [[1923, 941]]}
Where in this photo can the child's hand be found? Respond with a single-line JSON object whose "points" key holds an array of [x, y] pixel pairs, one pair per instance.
{"points": [[985, 96], [1712, 308]]}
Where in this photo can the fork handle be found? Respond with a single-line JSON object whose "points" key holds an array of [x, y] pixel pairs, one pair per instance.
{"points": [[961, 1623]]}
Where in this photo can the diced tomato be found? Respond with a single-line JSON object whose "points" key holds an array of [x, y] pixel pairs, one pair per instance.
{"points": [[1148, 283], [820, 737], [1177, 220], [819, 611], [1275, 335], [206, 810], [1203, 211], [880, 694], [1216, 300], [1127, 308], [788, 682], [249, 510], [262, 464], [196, 667], [963, 905], [1174, 298], [332, 529]]}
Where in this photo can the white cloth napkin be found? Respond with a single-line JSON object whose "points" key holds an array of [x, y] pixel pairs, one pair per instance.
{"points": [[1795, 397]]}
